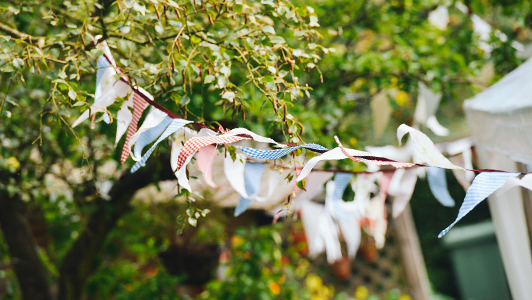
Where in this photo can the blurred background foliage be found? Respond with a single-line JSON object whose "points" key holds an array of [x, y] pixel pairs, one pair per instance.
{"points": [[297, 71]]}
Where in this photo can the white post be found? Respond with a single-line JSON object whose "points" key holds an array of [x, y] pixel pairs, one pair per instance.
{"points": [[510, 227]]}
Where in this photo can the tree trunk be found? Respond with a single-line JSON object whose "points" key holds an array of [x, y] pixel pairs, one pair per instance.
{"points": [[80, 262], [30, 272]]}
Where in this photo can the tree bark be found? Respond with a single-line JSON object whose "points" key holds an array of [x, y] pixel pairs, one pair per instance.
{"points": [[80, 262], [30, 272]]}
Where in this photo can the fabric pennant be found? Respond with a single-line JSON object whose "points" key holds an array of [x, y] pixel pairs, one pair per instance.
{"points": [[334, 154], [196, 143], [438, 186], [482, 187], [110, 90], [380, 161], [435, 126], [377, 223], [204, 160], [352, 234], [173, 127], [525, 182], [427, 105], [181, 135], [363, 187], [277, 153], [402, 190], [252, 181], [153, 118], [341, 181], [424, 149], [123, 118], [107, 87], [255, 137], [350, 227], [102, 64], [234, 172], [148, 136], [273, 183], [321, 231], [384, 184], [139, 105]]}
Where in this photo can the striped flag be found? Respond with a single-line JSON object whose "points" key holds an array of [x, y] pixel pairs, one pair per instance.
{"points": [[139, 105], [483, 185], [173, 127]]}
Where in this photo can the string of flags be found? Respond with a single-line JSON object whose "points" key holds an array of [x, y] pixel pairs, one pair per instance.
{"points": [[324, 222]]}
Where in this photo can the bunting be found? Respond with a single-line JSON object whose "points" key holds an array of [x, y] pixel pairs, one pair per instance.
{"points": [[205, 160], [252, 179], [483, 185], [196, 143], [323, 223], [278, 153], [173, 127], [438, 186], [139, 104]]}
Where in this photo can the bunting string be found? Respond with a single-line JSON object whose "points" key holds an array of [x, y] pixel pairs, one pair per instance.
{"points": [[245, 175]]}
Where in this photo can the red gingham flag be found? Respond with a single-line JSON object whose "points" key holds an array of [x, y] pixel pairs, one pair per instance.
{"points": [[139, 105], [380, 161], [194, 144]]}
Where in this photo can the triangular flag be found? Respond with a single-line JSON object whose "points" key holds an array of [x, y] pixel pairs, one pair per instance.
{"points": [[108, 88], [148, 136], [341, 180], [181, 137], [173, 127], [424, 149], [153, 118], [204, 160], [525, 182], [376, 215], [139, 104], [438, 186], [252, 179], [403, 190], [194, 144], [278, 153], [369, 159], [333, 154], [321, 231], [482, 187]]}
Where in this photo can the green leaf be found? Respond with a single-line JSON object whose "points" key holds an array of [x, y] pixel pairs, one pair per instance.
{"points": [[192, 222], [209, 79], [301, 184], [18, 63], [228, 95], [184, 100], [190, 211], [72, 95], [196, 69], [268, 29], [194, 39], [238, 8]]}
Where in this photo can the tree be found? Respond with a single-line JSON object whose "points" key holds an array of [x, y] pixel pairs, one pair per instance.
{"points": [[294, 71]]}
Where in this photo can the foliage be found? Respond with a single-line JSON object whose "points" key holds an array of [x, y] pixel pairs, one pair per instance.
{"points": [[257, 269], [296, 71]]}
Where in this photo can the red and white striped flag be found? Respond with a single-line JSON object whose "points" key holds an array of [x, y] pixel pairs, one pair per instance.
{"points": [[139, 105]]}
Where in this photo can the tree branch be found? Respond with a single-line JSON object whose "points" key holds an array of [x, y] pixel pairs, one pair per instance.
{"points": [[30, 272], [17, 34], [80, 261]]}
